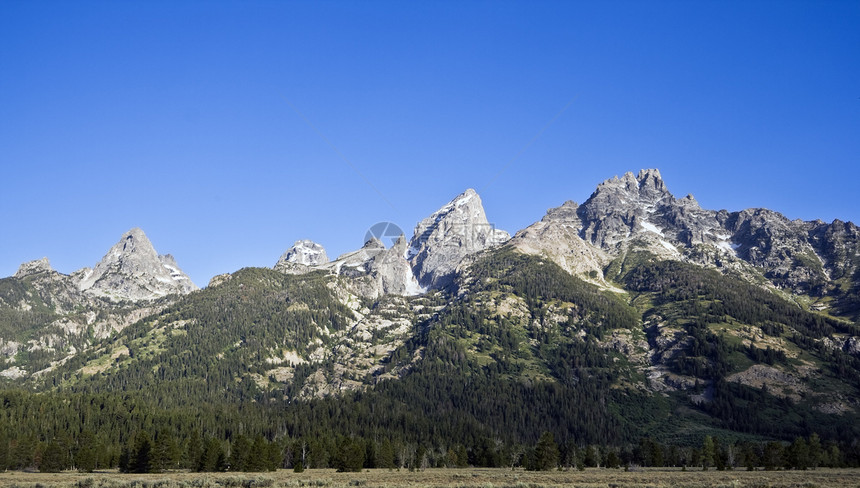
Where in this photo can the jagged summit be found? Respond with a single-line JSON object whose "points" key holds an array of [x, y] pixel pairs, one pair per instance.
{"points": [[451, 233], [133, 270], [34, 267], [565, 213], [373, 243], [641, 209], [651, 183]]}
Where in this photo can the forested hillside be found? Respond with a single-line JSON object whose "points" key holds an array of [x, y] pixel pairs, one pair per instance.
{"points": [[517, 348]]}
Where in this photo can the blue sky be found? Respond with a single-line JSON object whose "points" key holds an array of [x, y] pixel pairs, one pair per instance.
{"points": [[189, 119]]}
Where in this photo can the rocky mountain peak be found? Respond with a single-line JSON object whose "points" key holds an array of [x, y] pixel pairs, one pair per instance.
{"points": [[373, 244], [135, 238], [401, 243], [466, 206], [647, 189], [565, 213], [391, 271], [451, 233], [641, 210], [651, 185], [618, 207], [34, 267], [688, 201], [305, 252], [133, 270]]}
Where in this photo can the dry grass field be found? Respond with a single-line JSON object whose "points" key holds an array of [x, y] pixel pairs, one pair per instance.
{"points": [[431, 478]]}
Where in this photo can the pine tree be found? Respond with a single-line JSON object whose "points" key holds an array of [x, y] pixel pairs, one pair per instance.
{"points": [[612, 460], [166, 451], [798, 454], [275, 457], [385, 455], [213, 457], [834, 456], [141, 455], [193, 450], [258, 457], [52, 458], [350, 456], [23, 452], [4, 449], [370, 454], [240, 450], [124, 463], [546, 452], [772, 456], [592, 457], [86, 455], [707, 452], [815, 451]]}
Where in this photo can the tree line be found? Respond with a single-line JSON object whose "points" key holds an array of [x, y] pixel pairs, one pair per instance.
{"points": [[164, 452]]}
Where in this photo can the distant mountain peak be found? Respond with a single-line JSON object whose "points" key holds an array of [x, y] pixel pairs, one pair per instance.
{"points": [[443, 239], [649, 174], [305, 252], [468, 199], [651, 184], [373, 243], [34, 267], [566, 212], [133, 270]]}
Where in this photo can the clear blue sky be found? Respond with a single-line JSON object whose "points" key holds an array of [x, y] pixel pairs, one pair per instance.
{"points": [[176, 116]]}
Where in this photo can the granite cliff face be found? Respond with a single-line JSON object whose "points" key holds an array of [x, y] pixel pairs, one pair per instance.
{"points": [[442, 240], [133, 270], [781, 248], [42, 285]]}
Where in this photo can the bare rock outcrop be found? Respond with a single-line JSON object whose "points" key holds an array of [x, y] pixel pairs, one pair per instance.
{"points": [[34, 267], [556, 236]]}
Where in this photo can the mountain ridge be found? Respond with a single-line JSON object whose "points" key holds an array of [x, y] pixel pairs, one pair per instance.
{"points": [[681, 320]]}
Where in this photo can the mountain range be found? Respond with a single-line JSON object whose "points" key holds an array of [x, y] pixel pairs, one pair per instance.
{"points": [[633, 314]]}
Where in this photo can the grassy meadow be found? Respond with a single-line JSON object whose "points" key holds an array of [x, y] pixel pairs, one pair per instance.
{"points": [[478, 478]]}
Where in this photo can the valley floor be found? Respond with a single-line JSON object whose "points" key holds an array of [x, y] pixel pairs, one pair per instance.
{"points": [[431, 478]]}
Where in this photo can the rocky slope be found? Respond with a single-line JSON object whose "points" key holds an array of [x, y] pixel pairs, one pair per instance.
{"points": [[557, 236]]}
